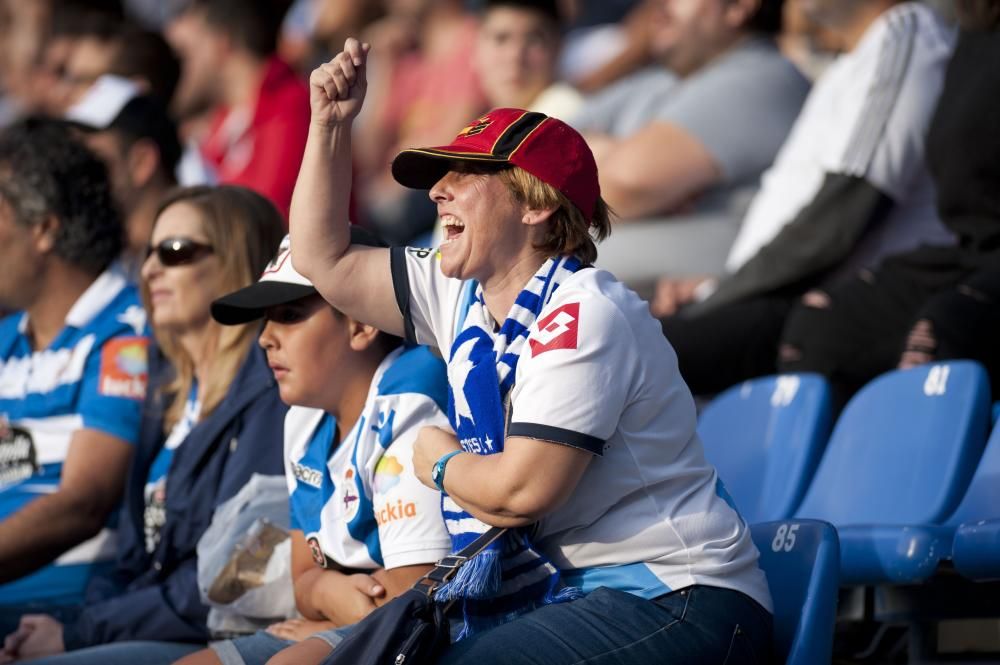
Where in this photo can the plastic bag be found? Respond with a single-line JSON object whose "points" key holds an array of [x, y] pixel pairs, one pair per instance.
{"points": [[245, 559]]}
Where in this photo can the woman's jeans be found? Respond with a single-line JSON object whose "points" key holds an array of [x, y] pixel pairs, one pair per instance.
{"points": [[699, 624], [124, 653]]}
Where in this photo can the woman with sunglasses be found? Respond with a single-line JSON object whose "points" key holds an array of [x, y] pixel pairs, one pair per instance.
{"points": [[212, 418]]}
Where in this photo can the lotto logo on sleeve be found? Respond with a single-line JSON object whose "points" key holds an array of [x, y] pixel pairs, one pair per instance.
{"points": [[558, 330], [124, 366]]}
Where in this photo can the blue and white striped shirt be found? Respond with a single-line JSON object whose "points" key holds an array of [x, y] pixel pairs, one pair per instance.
{"points": [[92, 376]]}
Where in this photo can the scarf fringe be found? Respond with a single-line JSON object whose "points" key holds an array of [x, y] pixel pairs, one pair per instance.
{"points": [[479, 577]]}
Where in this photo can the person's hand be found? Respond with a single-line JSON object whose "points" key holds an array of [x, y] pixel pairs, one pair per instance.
{"points": [[673, 293], [345, 599], [337, 88], [431, 444], [296, 630], [37, 636], [921, 345]]}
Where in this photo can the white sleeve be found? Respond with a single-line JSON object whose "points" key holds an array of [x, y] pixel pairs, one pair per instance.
{"points": [[887, 122], [575, 373], [427, 299], [411, 530]]}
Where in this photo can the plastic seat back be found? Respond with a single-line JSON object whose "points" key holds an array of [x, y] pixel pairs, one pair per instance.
{"points": [[982, 498], [765, 438], [976, 549], [801, 559], [904, 449]]}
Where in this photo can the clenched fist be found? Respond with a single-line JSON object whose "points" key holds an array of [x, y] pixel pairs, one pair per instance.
{"points": [[337, 88]]}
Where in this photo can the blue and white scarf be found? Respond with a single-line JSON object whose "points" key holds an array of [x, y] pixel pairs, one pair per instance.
{"points": [[508, 578]]}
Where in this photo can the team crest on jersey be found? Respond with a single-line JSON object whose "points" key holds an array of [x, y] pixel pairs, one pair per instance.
{"points": [[478, 127], [350, 501], [316, 551], [558, 330], [124, 368], [18, 459]]}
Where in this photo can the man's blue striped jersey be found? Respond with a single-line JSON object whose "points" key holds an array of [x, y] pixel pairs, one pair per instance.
{"points": [[92, 376]]}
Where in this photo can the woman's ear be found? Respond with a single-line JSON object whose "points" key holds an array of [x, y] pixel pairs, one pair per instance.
{"points": [[536, 216], [362, 335]]}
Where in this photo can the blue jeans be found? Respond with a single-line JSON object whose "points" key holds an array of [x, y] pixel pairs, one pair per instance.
{"points": [[124, 653], [258, 648], [699, 624], [10, 615]]}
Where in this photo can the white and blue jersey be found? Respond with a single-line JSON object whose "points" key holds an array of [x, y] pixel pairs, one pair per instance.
{"points": [[359, 504], [650, 514], [92, 376]]}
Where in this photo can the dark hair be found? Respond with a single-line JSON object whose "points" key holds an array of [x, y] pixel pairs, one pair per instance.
{"points": [[548, 8], [49, 173], [768, 19], [978, 14], [101, 20], [145, 54], [253, 26], [146, 117]]}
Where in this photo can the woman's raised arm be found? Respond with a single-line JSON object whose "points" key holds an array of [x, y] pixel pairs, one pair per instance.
{"points": [[357, 281]]}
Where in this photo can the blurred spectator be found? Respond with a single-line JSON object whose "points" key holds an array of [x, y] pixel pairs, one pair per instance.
{"points": [[72, 370], [259, 107], [606, 39], [516, 54], [145, 58], [850, 187], [138, 142], [932, 303], [694, 161], [210, 421], [422, 87], [41, 38], [316, 29]]}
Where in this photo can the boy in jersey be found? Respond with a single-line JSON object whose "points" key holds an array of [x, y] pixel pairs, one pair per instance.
{"points": [[72, 370], [364, 528]]}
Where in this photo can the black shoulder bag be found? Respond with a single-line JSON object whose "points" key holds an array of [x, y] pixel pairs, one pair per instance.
{"points": [[411, 628]]}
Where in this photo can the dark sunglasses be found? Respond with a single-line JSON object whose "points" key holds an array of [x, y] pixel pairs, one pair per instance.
{"points": [[179, 251]]}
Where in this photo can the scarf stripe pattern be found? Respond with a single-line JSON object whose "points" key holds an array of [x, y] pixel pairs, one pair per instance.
{"points": [[508, 578]]}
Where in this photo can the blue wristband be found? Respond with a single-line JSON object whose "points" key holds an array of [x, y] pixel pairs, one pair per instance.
{"points": [[437, 471]]}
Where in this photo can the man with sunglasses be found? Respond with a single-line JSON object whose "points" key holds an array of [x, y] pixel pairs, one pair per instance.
{"points": [[72, 370]]}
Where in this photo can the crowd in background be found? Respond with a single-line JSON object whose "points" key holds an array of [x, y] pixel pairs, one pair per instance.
{"points": [[797, 186]]}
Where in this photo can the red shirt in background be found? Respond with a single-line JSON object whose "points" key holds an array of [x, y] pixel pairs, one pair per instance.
{"points": [[262, 148]]}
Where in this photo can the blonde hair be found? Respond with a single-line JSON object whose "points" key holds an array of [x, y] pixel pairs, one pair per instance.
{"points": [[568, 230], [244, 230]]}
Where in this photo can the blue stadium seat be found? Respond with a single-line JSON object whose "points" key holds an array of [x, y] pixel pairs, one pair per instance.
{"points": [[976, 552], [766, 437], [801, 559], [896, 466]]}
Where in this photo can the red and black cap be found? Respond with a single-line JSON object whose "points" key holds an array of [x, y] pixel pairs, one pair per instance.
{"points": [[545, 147]]}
